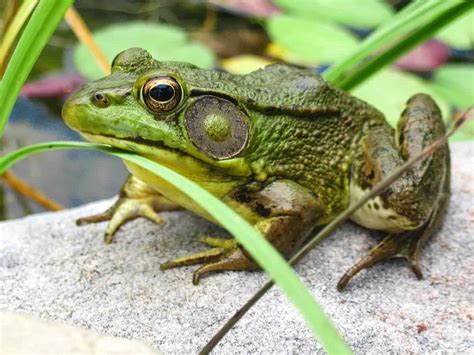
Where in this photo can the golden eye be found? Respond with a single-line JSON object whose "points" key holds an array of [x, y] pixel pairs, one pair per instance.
{"points": [[161, 94]]}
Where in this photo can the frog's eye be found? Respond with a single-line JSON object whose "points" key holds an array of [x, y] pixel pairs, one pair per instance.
{"points": [[161, 94], [217, 127]]}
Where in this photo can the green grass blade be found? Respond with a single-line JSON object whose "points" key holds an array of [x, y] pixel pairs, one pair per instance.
{"points": [[410, 25], [409, 42], [43, 22], [260, 249], [14, 29]]}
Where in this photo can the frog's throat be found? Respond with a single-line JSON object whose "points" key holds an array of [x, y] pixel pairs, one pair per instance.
{"points": [[174, 159]]}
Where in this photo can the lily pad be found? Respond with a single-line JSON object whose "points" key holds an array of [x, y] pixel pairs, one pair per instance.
{"points": [[390, 89], [311, 41], [358, 13], [460, 33], [164, 42], [456, 83]]}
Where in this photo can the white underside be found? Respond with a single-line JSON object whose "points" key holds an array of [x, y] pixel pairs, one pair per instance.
{"points": [[373, 218]]}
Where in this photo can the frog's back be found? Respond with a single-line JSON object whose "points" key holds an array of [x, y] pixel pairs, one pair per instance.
{"points": [[279, 87]]}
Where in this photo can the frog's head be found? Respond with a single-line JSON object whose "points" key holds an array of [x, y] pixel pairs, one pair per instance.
{"points": [[163, 111]]}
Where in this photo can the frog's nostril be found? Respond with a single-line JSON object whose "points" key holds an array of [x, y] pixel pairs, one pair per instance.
{"points": [[100, 100]]}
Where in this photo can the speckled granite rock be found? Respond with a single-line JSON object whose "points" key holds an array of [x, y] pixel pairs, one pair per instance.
{"points": [[51, 268]]}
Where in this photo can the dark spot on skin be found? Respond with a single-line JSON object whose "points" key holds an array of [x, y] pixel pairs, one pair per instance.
{"points": [[376, 205], [128, 93], [392, 218], [369, 206], [371, 175], [251, 101], [262, 211], [242, 197]]}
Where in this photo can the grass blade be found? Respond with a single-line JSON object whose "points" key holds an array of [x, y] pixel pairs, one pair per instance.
{"points": [[40, 27], [260, 249], [13, 29], [410, 41], [410, 24]]}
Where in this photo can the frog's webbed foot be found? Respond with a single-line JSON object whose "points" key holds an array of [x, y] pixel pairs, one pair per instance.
{"points": [[403, 245], [136, 199], [225, 254], [407, 245]]}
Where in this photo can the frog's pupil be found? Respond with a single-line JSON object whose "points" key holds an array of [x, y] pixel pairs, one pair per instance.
{"points": [[162, 92]]}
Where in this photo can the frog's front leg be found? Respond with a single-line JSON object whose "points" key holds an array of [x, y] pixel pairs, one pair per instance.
{"points": [[136, 199], [284, 212], [412, 208]]}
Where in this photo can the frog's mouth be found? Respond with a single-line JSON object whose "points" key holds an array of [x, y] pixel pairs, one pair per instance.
{"points": [[193, 168]]}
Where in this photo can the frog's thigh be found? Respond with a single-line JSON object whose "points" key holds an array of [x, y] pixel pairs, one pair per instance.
{"points": [[412, 198], [284, 212]]}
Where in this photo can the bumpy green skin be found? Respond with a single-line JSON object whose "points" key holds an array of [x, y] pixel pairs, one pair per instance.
{"points": [[311, 149]]}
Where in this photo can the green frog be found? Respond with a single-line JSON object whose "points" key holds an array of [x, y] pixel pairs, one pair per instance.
{"points": [[281, 146]]}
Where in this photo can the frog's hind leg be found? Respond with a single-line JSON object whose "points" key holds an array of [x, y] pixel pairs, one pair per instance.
{"points": [[407, 245], [412, 208], [136, 199], [225, 254], [283, 212]]}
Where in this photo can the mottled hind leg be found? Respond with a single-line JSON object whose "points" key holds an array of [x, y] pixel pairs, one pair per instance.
{"points": [[284, 213], [136, 199], [407, 245], [412, 208]]}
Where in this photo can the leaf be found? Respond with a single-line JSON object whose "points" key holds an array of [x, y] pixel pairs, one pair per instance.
{"points": [[460, 33], [390, 89], [164, 42], [42, 23], [260, 249], [313, 41], [413, 25], [456, 82], [355, 13]]}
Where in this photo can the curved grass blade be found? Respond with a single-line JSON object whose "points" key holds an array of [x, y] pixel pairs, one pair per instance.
{"points": [[261, 250], [43, 22], [331, 227], [409, 42], [408, 25]]}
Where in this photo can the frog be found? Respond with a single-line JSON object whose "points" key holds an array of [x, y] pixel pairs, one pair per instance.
{"points": [[281, 146]]}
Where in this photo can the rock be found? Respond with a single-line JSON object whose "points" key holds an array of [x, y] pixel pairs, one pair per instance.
{"points": [[48, 337], [53, 269]]}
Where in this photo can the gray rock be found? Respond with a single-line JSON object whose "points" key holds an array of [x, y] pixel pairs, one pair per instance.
{"points": [[51, 268], [48, 337]]}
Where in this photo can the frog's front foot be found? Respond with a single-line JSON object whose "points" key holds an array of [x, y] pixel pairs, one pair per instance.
{"points": [[122, 211], [225, 254], [136, 199]]}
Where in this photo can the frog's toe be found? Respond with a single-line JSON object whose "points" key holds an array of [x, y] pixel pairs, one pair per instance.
{"points": [[405, 245], [124, 210], [234, 259], [196, 258], [225, 255]]}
